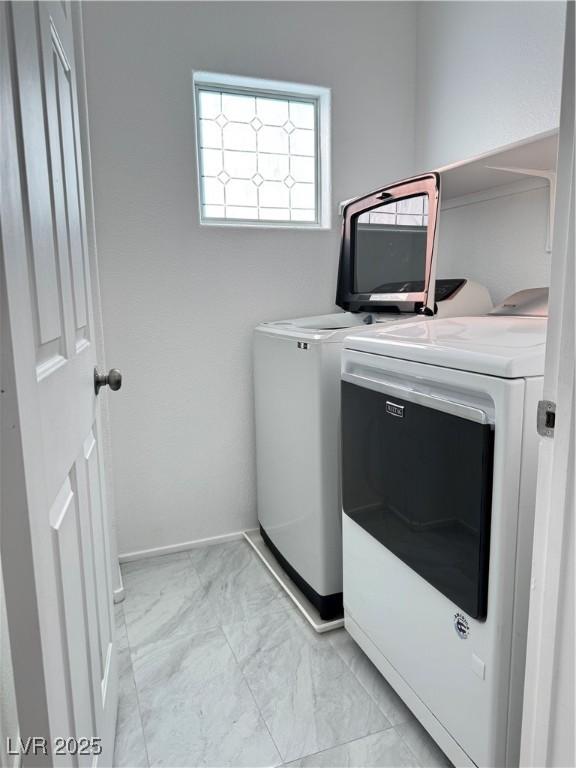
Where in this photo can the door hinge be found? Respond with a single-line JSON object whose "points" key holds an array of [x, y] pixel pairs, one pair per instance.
{"points": [[546, 418]]}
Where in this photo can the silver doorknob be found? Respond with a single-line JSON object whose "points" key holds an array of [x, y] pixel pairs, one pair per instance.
{"points": [[112, 379]]}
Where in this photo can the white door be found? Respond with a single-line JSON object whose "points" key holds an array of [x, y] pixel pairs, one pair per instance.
{"points": [[55, 547]]}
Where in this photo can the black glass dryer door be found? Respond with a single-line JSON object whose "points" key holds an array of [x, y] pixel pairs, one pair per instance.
{"points": [[417, 474]]}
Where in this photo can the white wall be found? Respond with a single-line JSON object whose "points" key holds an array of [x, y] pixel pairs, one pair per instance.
{"points": [[180, 301], [489, 74], [500, 242]]}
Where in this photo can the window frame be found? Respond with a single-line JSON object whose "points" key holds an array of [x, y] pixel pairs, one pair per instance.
{"points": [[320, 96]]}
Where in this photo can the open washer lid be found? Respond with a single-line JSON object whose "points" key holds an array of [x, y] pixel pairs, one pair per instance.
{"points": [[388, 248]]}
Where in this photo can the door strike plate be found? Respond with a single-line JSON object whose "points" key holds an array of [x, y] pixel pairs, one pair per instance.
{"points": [[546, 418]]}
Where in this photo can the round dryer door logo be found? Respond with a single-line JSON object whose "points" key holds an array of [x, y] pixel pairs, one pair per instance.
{"points": [[461, 626]]}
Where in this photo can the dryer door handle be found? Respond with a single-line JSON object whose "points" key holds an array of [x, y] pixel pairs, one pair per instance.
{"points": [[428, 400]]}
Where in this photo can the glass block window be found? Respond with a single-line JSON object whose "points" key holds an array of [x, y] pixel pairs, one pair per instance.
{"points": [[258, 155]]}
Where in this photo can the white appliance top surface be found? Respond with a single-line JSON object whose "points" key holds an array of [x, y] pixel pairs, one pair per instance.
{"points": [[508, 347], [332, 327]]}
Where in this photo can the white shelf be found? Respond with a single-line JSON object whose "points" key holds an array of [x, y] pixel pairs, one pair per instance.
{"points": [[533, 157], [498, 171]]}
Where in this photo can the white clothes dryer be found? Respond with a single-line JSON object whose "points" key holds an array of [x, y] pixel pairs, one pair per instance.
{"points": [[439, 452]]}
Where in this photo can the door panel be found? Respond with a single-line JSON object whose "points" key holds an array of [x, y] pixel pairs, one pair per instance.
{"points": [[62, 76], [47, 301], [89, 571], [44, 269], [100, 556], [64, 521]]}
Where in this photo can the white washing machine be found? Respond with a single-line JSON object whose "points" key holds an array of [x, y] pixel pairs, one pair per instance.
{"points": [[386, 273], [439, 452]]}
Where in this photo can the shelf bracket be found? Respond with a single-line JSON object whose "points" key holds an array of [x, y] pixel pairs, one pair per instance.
{"points": [[551, 177]]}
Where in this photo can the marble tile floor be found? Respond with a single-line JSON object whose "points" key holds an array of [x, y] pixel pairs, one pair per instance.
{"points": [[217, 668]]}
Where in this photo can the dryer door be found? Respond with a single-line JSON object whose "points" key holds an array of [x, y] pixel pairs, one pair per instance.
{"points": [[417, 475]]}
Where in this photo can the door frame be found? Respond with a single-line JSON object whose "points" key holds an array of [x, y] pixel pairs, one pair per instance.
{"points": [[16, 494], [553, 546]]}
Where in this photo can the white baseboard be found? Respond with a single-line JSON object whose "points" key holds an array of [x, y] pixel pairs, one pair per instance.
{"points": [[118, 595], [118, 592], [182, 547]]}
